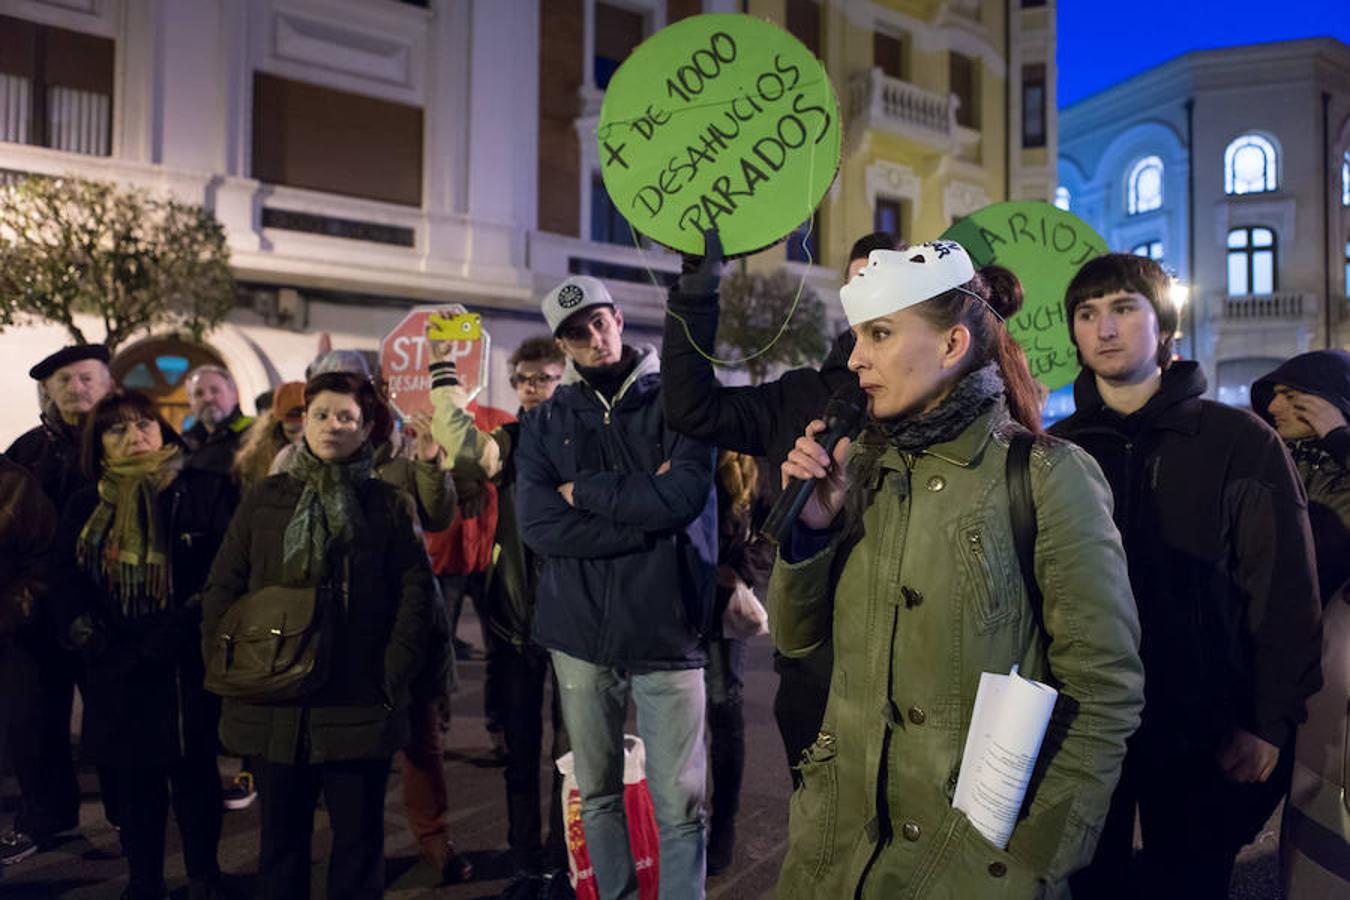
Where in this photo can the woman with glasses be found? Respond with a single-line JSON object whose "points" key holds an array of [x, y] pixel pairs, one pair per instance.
{"points": [[133, 551]]}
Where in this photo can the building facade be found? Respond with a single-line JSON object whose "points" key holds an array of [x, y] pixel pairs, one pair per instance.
{"points": [[1232, 167], [367, 156]]}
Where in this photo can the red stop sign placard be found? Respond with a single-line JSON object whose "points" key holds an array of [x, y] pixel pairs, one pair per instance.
{"points": [[404, 357]]}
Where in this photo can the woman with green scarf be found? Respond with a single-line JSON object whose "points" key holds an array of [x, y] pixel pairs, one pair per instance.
{"points": [[905, 559], [133, 552], [325, 522]]}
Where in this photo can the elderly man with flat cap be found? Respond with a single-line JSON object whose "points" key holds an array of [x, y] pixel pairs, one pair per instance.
{"points": [[73, 379], [40, 675]]}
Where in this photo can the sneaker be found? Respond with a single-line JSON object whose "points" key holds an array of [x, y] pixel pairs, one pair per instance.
{"points": [[240, 794], [15, 846]]}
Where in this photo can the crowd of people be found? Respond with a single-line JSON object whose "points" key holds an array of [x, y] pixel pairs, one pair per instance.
{"points": [[285, 590]]}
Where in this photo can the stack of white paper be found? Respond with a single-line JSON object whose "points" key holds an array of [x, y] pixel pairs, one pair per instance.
{"points": [[1006, 729]]}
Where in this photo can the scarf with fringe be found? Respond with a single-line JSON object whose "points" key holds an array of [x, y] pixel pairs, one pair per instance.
{"points": [[123, 546]]}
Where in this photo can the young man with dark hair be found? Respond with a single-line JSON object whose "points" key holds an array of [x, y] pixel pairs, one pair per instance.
{"points": [[622, 513], [517, 668], [1215, 527], [760, 420]]}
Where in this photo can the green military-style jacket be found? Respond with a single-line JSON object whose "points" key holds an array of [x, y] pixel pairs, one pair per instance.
{"points": [[928, 599]]}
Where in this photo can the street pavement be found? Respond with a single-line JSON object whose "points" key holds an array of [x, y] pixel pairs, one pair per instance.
{"points": [[87, 866]]}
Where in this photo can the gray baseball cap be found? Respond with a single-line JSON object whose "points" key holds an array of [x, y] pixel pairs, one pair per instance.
{"points": [[573, 295]]}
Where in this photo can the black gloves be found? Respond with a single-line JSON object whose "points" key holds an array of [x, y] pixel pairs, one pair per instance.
{"points": [[700, 275]]}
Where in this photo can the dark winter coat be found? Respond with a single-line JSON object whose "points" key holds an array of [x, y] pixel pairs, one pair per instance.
{"points": [[628, 572], [1215, 527], [51, 452], [214, 450], [361, 712], [144, 704], [1323, 463], [27, 523], [762, 420]]}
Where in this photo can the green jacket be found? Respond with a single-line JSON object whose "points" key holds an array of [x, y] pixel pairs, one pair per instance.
{"points": [[427, 485], [922, 611], [362, 710], [481, 456]]}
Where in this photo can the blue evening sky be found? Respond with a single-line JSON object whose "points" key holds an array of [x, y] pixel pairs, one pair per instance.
{"points": [[1102, 42]]}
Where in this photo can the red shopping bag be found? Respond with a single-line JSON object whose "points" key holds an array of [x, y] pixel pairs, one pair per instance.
{"points": [[643, 837]]}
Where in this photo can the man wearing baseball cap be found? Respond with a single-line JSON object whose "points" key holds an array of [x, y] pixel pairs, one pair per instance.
{"points": [[622, 512], [41, 675]]}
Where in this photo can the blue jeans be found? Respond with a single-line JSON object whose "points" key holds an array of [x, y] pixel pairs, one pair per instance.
{"points": [[670, 710]]}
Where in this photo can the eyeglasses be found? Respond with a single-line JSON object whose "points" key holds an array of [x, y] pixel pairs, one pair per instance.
{"points": [[120, 428], [543, 379]]}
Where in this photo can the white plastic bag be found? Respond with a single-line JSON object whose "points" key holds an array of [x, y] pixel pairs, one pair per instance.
{"points": [[745, 616]]}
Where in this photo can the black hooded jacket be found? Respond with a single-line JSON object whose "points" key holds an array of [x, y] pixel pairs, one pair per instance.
{"points": [[1323, 463], [761, 420], [1215, 526]]}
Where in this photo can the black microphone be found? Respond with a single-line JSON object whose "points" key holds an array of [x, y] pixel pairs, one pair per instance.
{"points": [[842, 415]]}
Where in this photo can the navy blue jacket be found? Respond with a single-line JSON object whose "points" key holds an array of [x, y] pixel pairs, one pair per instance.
{"points": [[627, 574]]}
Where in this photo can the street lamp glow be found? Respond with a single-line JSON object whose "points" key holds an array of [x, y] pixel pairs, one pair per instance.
{"points": [[1179, 293]]}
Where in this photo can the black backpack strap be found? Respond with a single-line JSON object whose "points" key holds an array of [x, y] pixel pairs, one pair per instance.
{"points": [[1022, 506]]}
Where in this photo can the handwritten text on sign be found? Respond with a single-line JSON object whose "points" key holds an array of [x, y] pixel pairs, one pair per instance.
{"points": [[719, 121], [1044, 246]]}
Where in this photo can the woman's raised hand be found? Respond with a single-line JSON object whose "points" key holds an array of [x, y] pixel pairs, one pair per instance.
{"points": [[808, 459]]}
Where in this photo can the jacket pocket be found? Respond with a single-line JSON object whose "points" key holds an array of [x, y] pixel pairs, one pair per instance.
{"points": [[968, 865], [988, 583], [814, 807]]}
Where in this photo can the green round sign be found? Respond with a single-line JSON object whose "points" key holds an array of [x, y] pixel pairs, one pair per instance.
{"points": [[722, 121], [1044, 246]]}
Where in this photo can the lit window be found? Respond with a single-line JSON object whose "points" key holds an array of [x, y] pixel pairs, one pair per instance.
{"points": [[888, 216], [1150, 249], [1062, 197], [1249, 165], [1251, 261], [1144, 187], [1345, 179], [608, 226]]}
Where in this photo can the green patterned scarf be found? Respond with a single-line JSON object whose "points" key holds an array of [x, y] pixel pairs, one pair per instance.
{"points": [[123, 546], [328, 514]]}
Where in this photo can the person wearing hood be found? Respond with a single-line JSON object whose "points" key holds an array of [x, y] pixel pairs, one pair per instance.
{"points": [[1215, 525], [1307, 400], [71, 381], [906, 559], [622, 512]]}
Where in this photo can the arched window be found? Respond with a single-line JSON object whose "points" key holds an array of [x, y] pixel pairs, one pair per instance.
{"points": [[1251, 261], [1150, 249], [1062, 198], [1249, 165], [1144, 187], [156, 366]]}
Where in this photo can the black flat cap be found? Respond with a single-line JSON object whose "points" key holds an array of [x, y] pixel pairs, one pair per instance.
{"points": [[65, 356]]}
